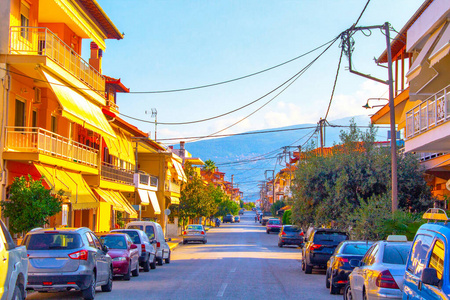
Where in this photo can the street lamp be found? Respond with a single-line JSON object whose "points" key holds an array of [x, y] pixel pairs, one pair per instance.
{"points": [[367, 106]]}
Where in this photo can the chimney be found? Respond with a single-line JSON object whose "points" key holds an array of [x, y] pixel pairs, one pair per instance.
{"points": [[96, 57], [182, 150]]}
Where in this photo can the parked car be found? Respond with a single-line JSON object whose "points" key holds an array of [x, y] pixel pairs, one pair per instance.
{"points": [[147, 252], [319, 248], [338, 266], [62, 259], [14, 267], [228, 218], [265, 217], [273, 225], [156, 236], [379, 275], [241, 211], [124, 254], [237, 219], [290, 235], [427, 273], [194, 233]]}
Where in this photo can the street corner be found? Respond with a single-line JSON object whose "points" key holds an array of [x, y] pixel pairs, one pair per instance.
{"points": [[174, 242]]}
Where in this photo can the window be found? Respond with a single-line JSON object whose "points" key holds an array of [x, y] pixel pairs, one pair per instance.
{"points": [[53, 124], [34, 119], [24, 19], [53, 241], [396, 254], [19, 120], [97, 243], [437, 258], [90, 240], [418, 256]]}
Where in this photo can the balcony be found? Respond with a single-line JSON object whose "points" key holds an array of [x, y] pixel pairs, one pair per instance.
{"points": [[38, 140], [172, 187], [116, 174], [430, 116], [145, 181], [42, 42]]}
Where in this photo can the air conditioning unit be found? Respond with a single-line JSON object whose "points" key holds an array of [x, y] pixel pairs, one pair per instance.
{"points": [[37, 95]]}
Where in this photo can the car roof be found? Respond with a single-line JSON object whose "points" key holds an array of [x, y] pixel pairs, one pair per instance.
{"points": [[329, 230], [127, 229], [59, 229]]}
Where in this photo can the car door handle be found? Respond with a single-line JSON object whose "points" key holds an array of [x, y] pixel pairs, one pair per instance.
{"points": [[5, 259]]}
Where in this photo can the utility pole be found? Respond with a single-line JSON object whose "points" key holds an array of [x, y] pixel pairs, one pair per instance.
{"points": [[321, 122], [346, 36], [232, 177]]}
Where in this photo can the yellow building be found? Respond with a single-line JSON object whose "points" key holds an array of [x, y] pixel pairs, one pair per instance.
{"points": [[422, 91], [53, 125]]}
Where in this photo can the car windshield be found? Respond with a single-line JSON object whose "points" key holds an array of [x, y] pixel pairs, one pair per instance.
{"points": [[150, 231], [329, 236], [267, 213], [292, 229], [195, 227], [396, 254], [274, 222], [53, 241], [135, 227], [133, 235], [356, 249], [114, 241]]}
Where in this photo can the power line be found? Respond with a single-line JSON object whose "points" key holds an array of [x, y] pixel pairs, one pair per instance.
{"points": [[301, 72], [335, 82], [235, 79]]}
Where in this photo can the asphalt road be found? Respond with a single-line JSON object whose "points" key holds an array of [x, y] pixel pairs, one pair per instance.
{"points": [[240, 261]]}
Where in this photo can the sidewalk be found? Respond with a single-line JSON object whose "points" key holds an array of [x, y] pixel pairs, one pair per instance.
{"points": [[175, 242]]}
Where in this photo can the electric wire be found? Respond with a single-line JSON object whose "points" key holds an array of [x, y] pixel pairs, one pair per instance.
{"points": [[235, 79], [335, 82]]}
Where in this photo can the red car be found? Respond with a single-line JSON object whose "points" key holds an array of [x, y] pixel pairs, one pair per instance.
{"points": [[124, 254], [273, 225]]}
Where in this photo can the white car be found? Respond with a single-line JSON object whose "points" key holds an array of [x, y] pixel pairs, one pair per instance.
{"points": [[13, 267], [379, 275]]}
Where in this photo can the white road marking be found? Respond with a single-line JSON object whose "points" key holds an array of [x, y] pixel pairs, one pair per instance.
{"points": [[222, 289]]}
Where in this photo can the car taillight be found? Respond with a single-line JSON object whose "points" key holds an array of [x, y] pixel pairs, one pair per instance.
{"points": [[342, 260], [82, 255], [143, 248], [184, 232], [301, 233], [314, 246], [385, 280], [203, 232], [158, 244], [283, 233]]}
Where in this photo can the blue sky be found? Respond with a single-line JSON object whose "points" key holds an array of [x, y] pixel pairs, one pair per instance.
{"points": [[172, 44]]}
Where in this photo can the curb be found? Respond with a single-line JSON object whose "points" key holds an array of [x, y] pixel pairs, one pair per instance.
{"points": [[174, 244]]}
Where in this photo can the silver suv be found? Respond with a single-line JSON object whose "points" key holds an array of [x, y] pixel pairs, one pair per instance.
{"points": [[62, 259]]}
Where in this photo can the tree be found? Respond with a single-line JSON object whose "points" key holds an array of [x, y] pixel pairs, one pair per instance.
{"points": [[209, 166], [276, 206], [228, 207], [29, 204], [329, 189]]}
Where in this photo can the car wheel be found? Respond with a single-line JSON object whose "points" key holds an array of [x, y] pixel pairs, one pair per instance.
{"points": [[184, 242], [333, 289], [17, 295], [147, 265], [280, 245], [160, 261], [327, 280], [135, 272], [89, 293], [108, 286], [365, 296], [153, 263], [168, 258], [303, 265], [268, 232], [308, 269], [127, 276], [348, 292], [204, 242]]}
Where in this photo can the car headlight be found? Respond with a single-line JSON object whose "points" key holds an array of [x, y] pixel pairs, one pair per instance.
{"points": [[119, 258]]}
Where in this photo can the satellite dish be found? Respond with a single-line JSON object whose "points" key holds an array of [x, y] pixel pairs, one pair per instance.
{"points": [[447, 184]]}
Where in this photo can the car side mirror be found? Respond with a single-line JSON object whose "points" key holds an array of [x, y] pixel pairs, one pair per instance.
{"points": [[105, 248], [429, 276], [133, 246], [355, 263]]}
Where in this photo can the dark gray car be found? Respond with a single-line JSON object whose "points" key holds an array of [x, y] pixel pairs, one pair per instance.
{"points": [[62, 259]]}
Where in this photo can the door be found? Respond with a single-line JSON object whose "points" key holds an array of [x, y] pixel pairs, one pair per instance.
{"points": [[436, 261], [102, 262], [7, 271], [359, 273]]}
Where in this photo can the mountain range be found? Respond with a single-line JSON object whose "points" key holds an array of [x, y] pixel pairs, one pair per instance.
{"points": [[247, 156]]}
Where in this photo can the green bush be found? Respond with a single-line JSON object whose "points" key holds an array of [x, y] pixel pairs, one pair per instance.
{"points": [[287, 217]]}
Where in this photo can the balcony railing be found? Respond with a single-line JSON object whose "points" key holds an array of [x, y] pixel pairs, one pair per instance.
{"points": [[172, 187], [146, 179], [38, 140], [116, 174], [41, 41], [430, 113]]}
